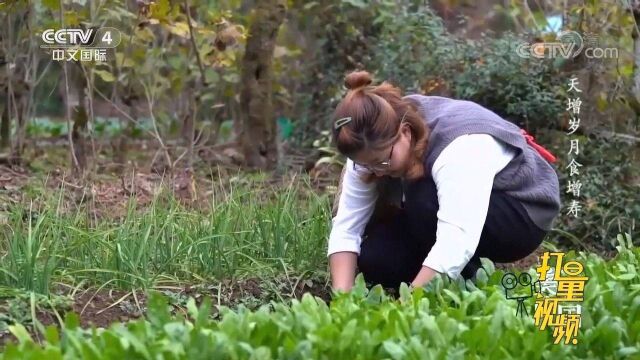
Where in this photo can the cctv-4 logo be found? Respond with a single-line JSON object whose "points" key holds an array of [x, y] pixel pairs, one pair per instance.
{"points": [[69, 36]]}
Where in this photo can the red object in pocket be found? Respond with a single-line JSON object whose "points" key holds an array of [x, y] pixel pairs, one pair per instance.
{"points": [[542, 151]]}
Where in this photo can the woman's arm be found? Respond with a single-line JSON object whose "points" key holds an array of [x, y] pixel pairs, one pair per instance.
{"points": [[424, 276], [343, 268], [463, 174], [356, 204]]}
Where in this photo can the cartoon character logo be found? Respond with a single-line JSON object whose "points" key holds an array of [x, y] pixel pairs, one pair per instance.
{"points": [[519, 288]]}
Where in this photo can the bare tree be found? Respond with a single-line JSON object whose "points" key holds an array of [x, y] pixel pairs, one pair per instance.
{"points": [[17, 62]]}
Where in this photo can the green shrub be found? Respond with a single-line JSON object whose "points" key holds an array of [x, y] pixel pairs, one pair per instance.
{"points": [[609, 196], [415, 47]]}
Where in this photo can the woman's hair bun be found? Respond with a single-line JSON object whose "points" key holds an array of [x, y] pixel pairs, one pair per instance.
{"points": [[357, 79]]}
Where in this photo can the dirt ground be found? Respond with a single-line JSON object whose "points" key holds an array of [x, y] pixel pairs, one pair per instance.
{"points": [[108, 196], [104, 307], [107, 193]]}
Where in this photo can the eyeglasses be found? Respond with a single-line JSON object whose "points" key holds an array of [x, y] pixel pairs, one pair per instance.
{"points": [[383, 165]]}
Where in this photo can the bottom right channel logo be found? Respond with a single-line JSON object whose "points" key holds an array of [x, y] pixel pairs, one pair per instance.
{"points": [[558, 293]]}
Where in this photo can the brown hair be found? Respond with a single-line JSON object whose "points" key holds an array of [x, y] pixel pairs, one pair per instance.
{"points": [[376, 112]]}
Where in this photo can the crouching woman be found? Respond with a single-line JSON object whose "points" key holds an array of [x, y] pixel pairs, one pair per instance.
{"points": [[430, 185]]}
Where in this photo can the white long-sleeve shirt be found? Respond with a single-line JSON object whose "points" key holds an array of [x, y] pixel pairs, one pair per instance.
{"points": [[463, 174]]}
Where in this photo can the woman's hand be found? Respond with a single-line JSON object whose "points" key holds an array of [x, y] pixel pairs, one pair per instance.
{"points": [[345, 287], [424, 276]]}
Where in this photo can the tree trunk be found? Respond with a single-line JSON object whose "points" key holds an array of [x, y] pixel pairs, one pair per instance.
{"points": [[258, 137], [122, 142], [77, 111], [635, 6], [5, 127], [20, 106], [4, 92], [80, 120], [14, 86]]}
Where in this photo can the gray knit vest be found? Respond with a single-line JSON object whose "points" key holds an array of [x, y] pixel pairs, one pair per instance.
{"points": [[528, 177]]}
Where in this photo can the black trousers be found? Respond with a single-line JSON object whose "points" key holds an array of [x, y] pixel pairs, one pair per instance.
{"points": [[394, 248]]}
